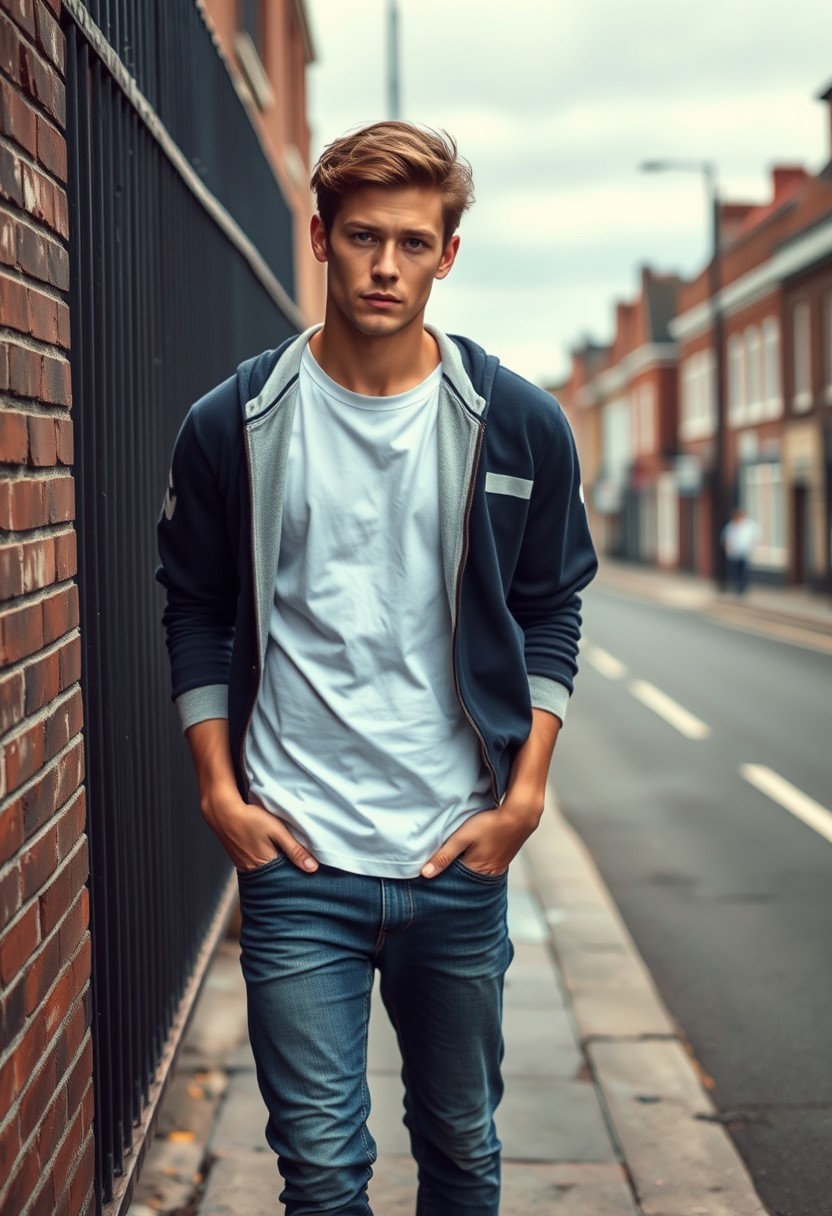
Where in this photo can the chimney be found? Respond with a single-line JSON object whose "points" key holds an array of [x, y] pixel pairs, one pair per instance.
{"points": [[785, 178]]}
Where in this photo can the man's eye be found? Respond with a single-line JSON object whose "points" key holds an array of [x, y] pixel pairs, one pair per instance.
{"points": [[414, 242], [362, 238]]}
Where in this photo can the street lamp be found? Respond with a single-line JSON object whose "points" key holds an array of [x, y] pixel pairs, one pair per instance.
{"points": [[719, 504], [393, 78]]}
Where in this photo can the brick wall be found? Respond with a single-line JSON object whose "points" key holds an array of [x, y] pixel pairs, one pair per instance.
{"points": [[46, 1149]]}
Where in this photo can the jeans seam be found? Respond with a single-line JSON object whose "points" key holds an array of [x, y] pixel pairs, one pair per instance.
{"points": [[382, 930], [365, 1104]]}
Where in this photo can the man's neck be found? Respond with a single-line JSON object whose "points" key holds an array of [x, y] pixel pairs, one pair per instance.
{"points": [[375, 366]]}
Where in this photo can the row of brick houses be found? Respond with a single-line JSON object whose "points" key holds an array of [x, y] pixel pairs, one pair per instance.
{"points": [[643, 407]]}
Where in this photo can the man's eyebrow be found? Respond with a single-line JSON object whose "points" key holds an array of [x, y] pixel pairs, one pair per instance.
{"points": [[424, 234]]}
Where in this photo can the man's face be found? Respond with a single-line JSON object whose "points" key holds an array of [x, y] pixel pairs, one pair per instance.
{"points": [[383, 252]]}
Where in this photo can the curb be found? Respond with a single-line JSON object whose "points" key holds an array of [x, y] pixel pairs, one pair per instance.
{"points": [[680, 1159]]}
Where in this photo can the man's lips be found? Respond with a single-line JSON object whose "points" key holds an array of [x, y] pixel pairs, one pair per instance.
{"points": [[378, 297]]}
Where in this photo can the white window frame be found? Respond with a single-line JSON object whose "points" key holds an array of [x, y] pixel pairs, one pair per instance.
{"points": [[753, 374], [772, 388], [736, 380], [802, 356], [764, 499]]}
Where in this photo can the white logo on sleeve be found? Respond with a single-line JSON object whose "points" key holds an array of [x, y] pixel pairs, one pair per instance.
{"points": [[581, 493], [170, 499]]}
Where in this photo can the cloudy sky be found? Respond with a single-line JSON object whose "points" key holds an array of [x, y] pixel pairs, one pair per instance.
{"points": [[555, 102]]}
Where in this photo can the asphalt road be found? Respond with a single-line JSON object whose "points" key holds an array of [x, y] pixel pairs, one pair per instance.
{"points": [[727, 893]]}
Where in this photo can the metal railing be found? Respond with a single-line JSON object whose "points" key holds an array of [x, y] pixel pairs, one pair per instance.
{"points": [[175, 277]]}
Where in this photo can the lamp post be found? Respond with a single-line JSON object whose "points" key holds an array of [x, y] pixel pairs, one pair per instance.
{"points": [[393, 86], [719, 497]]}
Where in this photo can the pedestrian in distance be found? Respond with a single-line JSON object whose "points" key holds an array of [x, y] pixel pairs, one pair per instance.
{"points": [[739, 536], [373, 546]]}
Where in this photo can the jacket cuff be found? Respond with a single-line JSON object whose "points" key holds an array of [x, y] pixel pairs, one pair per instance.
{"points": [[549, 695], [199, 704]]}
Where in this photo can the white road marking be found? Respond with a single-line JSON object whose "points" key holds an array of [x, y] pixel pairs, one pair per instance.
{"points": [[672, 712], [812, 813], [605, 663]]}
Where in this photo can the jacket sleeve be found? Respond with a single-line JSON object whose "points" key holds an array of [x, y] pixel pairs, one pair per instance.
{"points": [[199, 574], [557, 560]]}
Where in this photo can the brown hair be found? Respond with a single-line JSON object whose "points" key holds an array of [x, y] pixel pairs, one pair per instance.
{"points": [[393, 154]]}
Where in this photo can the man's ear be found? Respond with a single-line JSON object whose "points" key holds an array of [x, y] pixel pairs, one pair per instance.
{"points": [[318, 237], [448, 258]]}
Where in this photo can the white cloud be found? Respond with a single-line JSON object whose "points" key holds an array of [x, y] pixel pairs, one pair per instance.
{"points": [[555, 105]]}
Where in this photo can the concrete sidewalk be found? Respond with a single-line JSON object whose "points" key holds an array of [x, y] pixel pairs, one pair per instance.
{"points": [[604, 1113], [790, 613]]}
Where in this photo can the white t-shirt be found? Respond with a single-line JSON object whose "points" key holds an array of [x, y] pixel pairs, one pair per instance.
{"points": [[358, 741], [740, 536]]}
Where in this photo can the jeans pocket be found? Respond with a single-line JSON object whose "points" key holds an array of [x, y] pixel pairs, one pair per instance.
{"points": [[477, 875], [266, 868]]}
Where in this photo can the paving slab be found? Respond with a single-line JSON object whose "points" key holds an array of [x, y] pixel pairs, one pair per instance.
{"points": [[681, 1160], [546, 1120]]}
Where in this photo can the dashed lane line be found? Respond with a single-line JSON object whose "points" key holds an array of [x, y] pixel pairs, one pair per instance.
{"points": [[671, 711], [605, 663], [812, 813]]}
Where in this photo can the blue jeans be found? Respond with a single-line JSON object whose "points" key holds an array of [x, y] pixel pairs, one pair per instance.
{"points": [[310, 944]]}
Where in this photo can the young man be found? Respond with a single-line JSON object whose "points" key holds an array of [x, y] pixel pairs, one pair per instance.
{"points": [[373, 547]]}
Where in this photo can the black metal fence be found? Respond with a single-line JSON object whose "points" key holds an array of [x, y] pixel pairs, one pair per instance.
{"points": [[165, 301]]}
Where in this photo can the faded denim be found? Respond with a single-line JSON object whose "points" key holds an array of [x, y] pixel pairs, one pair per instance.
{"points": [[310, 944]]}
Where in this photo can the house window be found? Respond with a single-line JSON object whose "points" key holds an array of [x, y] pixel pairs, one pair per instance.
{"points": [[801, 318], [753, 374], [251, 54], [771, 368], [646, 418], [736, 381], [250, 23], [763, 499], [698, 396]]}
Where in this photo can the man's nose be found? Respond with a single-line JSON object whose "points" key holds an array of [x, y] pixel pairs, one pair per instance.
{"points": [[386, 266]]}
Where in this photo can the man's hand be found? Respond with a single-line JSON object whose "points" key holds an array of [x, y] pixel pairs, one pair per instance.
{"points": [[250, 835], [492, 839]]}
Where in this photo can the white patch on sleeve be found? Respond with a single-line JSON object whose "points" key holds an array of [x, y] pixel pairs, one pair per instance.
{"points": [[515, 487], [170, 499]]}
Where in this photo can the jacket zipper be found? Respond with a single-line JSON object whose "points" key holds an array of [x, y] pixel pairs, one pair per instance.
{"points": [[461, 569]]}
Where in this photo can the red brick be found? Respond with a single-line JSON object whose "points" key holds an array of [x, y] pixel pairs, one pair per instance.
{"points": [[71, 1037], [49, 36], [11, 571], [61, 221], [59, 1002], [43, 316], [79, 1078], [65, 440], [18, 943], [43, 682], [42, 258], [21, 632], [12, 703], [10, 896], [25, 370], [22, 12], [58, 609], [9, 1147], [63, 889], [52, 1126], [14, 304], [38, 863], [72, 928], [11, 180], [8, 240], [17, 119], [23, 1182], [69, 662], [43, 441], [38, 1091], [66, 555], [65, 1159], [64, 722], [42, 973], [11, 830], [40, 801], [38, 563], [60, 493], [80, 1199], [25, 754], [14, 439], [28, 1053], [64, 334], [55, 382], [9, 48]]}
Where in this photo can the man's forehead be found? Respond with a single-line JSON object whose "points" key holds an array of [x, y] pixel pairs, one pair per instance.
{"points": [[406, 206]]}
